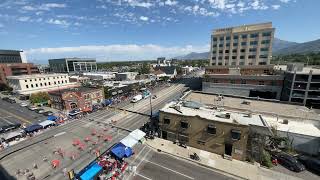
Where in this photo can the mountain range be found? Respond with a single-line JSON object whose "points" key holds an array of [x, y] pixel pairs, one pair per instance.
{"points": [[279, 47]]}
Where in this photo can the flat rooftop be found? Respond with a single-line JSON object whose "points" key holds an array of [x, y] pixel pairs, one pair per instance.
{"points": [[36, 76], [255, 106], [214, 115]]}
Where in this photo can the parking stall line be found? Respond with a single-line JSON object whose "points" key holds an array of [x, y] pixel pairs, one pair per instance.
{"points": [[16, 116], [143, 176]]}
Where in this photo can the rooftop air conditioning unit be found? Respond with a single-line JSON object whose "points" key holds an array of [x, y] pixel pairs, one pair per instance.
{"points": [[285, 121]]}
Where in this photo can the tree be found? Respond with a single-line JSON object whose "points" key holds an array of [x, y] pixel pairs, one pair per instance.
{"points": [[145, 69], [40, 97]]}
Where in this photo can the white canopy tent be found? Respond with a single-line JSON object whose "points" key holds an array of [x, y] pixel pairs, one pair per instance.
{"points": [[47, 123]]}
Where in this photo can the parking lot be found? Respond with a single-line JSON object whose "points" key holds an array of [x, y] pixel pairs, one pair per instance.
{"points": [[303, 175]]}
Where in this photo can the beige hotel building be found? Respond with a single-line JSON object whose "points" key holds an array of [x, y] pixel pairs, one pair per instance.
{"points": [[242, 45]]}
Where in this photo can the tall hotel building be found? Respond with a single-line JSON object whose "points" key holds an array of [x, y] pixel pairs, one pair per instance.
{"points": [[242, 45]]}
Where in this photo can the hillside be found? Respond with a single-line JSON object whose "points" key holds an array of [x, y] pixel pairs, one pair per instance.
{"points": [[301, 48], [279, 44]]}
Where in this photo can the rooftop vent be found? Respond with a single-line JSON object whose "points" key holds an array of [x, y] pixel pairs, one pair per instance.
{"points": [[285, 121], [246, 102]]}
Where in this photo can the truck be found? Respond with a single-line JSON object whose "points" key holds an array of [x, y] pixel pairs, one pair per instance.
{"points": [[136, 98]]}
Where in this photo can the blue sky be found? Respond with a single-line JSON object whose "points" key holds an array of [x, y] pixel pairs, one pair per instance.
{"points": [[141, 29]]}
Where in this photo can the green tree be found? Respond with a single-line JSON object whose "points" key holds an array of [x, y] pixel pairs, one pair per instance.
{"points": [[40, 97]]}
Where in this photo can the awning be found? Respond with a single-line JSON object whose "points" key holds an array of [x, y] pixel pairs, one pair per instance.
{"points": [[46, 123], [91, 172], [129, 141], [33, 128], [121, 151], [137, 134], [11, 135], [52, 118]]}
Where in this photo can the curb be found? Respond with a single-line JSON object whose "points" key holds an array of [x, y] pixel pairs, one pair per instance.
{"points": [[199, 163]]}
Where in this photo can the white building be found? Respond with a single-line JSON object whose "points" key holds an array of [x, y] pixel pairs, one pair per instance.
{"points": [[100, 75], [125, 76], [29, 84]]}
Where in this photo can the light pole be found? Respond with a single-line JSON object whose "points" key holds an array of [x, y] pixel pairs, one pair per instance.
{"points": [[150, 106]]}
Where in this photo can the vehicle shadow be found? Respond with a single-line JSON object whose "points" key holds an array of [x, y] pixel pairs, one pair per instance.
{"points": [[4, 175]]}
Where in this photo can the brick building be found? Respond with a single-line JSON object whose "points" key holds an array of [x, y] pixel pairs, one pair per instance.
{"points": [[82, 98], [16, 69]]}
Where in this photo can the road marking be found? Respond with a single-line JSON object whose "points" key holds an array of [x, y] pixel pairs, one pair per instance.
{"points": [[59, 134], [170, 169], [6, 120], [18, 117], [143, 176]]}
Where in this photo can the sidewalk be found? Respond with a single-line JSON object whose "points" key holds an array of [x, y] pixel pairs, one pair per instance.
{"points": [[238, 169]]}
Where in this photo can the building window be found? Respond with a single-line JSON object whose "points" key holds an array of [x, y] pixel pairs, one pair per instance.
{"points": [[243, 81], [241, 57], [235, 37], [235, 134], [235, 44], [215, 81], [40, 84], [214, 39], [55, 83], [220, 45], [36, 85], [45, 84], [58, 82], [166, 121], [211, 129], [27, 86], [244, 36], [184, 124], [221, 38], [232, 81], [226, 51], [264, 49], [49, 83], [234, 50], [252, 50], [214, 52], [253, 42], [243, 43], [227, 44], [201, 142], [30, 80], [241, 63], [264, 34], [226, 57], [31, 85], [25, 80], [242, 50], [254, 35], [252, 56], [261, 82], [228, 38], [65, 81], [265, 41], [54, 77], [263, 56], [234, 57], [262, 63]]}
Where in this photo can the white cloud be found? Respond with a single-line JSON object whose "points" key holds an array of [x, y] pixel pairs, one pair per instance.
{"points": [[171, 2], [285, 1], [43, 7], [144, 18], [138, 3], [276, 6], [114, 52], [24, 19], [1, 25], [58, 22]]}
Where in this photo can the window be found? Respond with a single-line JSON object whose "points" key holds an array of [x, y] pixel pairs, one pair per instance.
{"points": [[27, 86], [214, 39], [211, 129], [25, 80], [254, 35], [220, 51], [241, 63], [252, 50], [226, 51], [232, 81], [31, 85], [243, 43], [253, 42], [235, 44], [234, 50], [65, 81], [35, 79], [241, 57], [220, 63], [261, 82], [215, 81], [58, 82], [252, 56], [262, 63], [235, 37], [39, 79], [228, 38], [49, 83], [36, 85], [214, 52], [244, 36], [235, 134], [220, 57], [220, 45], [265, 41], [201, 142], [30, 80], [54, 77], [228, 44], [221, 38], [55, 82], [263, 56], [264, 34], [166, 121], [226, 57], [242, 50], [264, 49], [40, 84], [234, 57], [243, 81], [184, 124], [45, 84], [233, 63]]}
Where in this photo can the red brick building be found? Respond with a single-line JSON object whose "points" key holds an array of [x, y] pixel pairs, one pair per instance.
{"points": [[16, 69], [82, 98]]}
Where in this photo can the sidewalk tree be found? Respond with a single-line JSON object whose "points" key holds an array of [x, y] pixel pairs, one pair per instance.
{"points": [[39, 97]]}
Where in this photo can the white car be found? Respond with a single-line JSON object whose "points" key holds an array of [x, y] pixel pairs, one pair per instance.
{"points": [[24, 104]]}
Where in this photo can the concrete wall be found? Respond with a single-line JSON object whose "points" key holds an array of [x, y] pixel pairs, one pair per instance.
{"points": [[196, 135]]}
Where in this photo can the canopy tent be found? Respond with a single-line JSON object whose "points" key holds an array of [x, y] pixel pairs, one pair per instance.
{"points": [[121, 151], [137, 134], [129, 141], [33, 128], [91, 172], [52, 118], [47, 123], [74, 112], [11, 135]]}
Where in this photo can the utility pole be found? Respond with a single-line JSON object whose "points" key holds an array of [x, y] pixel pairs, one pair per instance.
{"points": [[150, 106]]}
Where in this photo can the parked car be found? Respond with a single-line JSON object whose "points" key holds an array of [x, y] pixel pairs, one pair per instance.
{"points": [[48, 113], [24, 104], [32, 108], [290, 162], [40, 111], [10, 100], [310, 163], [5, 99], [9, 127]]}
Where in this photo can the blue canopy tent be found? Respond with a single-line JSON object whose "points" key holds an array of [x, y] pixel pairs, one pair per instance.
{"points": [[91, 172], [121, 151], [52, 118], [32, 128]]}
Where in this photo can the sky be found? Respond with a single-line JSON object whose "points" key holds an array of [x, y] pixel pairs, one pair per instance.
{"points": [[115, 30]]}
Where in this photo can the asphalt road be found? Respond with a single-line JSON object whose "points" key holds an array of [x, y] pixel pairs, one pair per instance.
{"points": [[14, 113], [13, 158]]}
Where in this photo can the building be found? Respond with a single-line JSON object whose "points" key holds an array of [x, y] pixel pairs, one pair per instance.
{"points": [[250, 81], [242, 45], [82, 98], [162, 61], [302, 85], [297, 123], [221, 132], [125, 76], [67, 65], [16, 69], [11, 56], [165, 71], [100, 75], [79, 79], [29, 84]]}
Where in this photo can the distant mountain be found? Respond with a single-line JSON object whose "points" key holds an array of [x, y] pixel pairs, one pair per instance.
{"points": [[300, 48], [194, 55], [281, 44], [279, 47]]}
